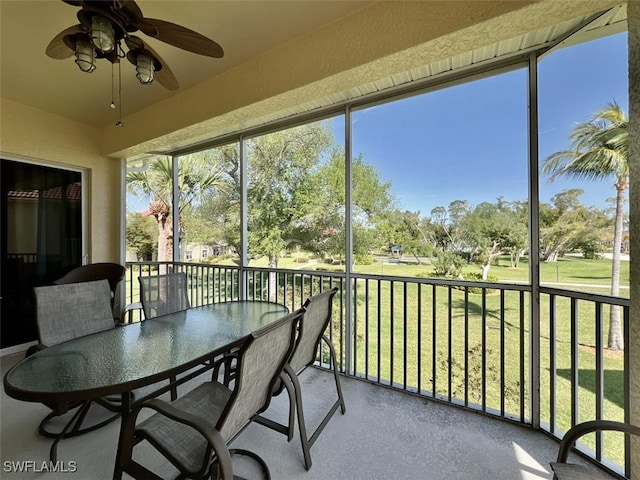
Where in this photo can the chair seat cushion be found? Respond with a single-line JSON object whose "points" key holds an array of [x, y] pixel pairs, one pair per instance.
{"points": [[571, 471], [179, 440]]}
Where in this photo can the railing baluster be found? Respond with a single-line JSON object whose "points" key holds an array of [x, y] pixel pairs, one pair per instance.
{"points": [[404, 336], [450, 344], [466, 346], [574, 362], [484, 349], [379, 310], [391, 331], [502, 379], [419, 339], [522, 358], [552, 361], [599, 374], [434, 341], [355, 330], [366, 323]]}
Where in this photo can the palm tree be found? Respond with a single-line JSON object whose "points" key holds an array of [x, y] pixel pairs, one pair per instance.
{"points": [[197, 176], [600, 150]]}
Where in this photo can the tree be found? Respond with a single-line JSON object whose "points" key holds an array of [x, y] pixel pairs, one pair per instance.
{"points": [[282, 189], [488, 230], [196, 176], [412, 232], [296, 195], [371, 200], [517, 241], [599, 150], [141, 231], [448, 227], [563, 223]]}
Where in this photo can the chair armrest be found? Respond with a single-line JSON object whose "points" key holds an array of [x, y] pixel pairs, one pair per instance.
{"points": [[229, 368], [33, 349], [569, 439], [199, 424], [128, 310]]}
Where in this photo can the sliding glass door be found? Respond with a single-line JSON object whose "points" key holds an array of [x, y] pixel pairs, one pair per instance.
{"points": [[40, 240]]}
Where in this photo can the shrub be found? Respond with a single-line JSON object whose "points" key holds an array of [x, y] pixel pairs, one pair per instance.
{"points": [[477, 277], [592, 250], [448, 265], [363, 259]]}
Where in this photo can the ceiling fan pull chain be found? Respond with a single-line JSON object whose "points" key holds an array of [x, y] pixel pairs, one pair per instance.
{"points": [[119, 122], [113, 105]]}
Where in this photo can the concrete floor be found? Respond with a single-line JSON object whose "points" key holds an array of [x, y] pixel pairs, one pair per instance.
{"points": [[384, 435]]}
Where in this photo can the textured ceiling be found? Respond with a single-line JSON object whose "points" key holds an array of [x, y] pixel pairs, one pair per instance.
{"points": [[244, 29]]}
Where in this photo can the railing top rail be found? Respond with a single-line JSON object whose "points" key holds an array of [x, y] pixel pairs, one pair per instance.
{"points": [[592, 297], [446, 282], [318, 273]]}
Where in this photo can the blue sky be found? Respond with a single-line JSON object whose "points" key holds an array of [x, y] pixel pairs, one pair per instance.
{"points": [[469, 142]]}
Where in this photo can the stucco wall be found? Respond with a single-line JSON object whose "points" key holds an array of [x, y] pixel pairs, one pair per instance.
{"points": [[633, 12], [39, 136]]}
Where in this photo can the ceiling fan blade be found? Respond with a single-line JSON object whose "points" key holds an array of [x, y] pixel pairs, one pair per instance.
{"points": [[181, 37], [75, 3], [129, 13], [57, 48], [164, 75]]}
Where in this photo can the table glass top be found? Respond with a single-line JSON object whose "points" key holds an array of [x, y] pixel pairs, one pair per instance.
{"points": [[138, 354]]}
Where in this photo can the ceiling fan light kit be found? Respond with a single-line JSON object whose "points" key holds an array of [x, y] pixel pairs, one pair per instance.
{"points": [[104, 24], [102, 34], [85, 55], [144, 68]]}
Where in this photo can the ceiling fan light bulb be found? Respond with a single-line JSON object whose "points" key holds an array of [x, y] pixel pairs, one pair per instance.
{"points": [[102, 34], [144, 68], [85, 55]]}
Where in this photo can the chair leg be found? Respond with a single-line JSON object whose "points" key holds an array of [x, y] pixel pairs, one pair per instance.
{"points": [[291, 391], [256, 457], [332, 359], [174, 390], [82, 411], [292, 383]]}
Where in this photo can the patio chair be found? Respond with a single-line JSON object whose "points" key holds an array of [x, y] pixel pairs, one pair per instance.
{"points": [[64, 312], [317, 316], [112, 272], [570, 471], [163, 294], [194, 432]]}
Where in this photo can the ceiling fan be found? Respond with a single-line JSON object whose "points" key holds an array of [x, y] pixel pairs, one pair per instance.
{"points": [[105, 24]]}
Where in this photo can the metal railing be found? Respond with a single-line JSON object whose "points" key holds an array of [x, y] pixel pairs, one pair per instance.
{"points": [[461, 342]]}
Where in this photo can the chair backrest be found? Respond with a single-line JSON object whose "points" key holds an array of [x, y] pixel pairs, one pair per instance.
{"points": [[112, 272], [64, 312], [261, 359], [317, 315], [163, 294]]}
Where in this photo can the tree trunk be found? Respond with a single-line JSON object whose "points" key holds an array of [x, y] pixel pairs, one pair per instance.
{"points": [[616, 340], [552, 257], [485, 270], [165, 241]]}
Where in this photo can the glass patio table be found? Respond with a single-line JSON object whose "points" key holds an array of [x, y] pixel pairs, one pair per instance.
{"points": [[126, 358]]}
